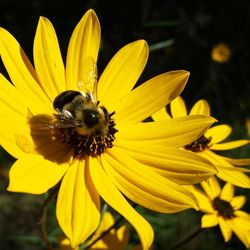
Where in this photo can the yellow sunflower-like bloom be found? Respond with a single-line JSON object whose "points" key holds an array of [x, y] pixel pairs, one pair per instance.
{"points": [[211, 142], [222, 208], [221, 53], [66, 129]]}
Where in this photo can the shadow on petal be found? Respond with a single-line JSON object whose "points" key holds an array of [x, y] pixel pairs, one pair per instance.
{"points": [[48, 140]]}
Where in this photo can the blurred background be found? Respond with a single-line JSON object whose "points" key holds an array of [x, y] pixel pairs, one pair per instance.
{"points": [[208, 38]]}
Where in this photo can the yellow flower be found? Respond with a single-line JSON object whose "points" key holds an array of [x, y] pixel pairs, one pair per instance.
{"points": [[211, 142], [221, 53], [113, 240], [93, 142], [248, 126], [222, 208]]}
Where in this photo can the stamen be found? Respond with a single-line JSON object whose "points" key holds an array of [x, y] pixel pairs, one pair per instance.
{"points": [[224, 208], [199, 145], [89, 144]]}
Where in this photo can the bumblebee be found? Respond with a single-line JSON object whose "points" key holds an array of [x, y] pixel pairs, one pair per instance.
{"points": [[80, 111], [80, 121]]}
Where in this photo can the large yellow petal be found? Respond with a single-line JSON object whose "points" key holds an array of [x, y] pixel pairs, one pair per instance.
{"points": [[225, 229], [218, 133], [241, 226], [33, 174], [227, 192], [211, 187], [21, 71], [122, 72], [178, 107], [78, 203], [221, 162], [48, 60], [10, 146], [149, 97], [161, 115], [171, 133], [234, 177], [200, 108], [237, 202], [209, 220], [226, 171], [237, 162], [13, 118], [17, 138], [178, 165], [84, 44], [204, 203], [11, 128], [12, 103], [244, 215], [242, 232], [144, 186], [229, 145], [112, 196]]}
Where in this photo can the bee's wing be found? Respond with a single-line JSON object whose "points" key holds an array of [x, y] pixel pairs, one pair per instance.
{"points": [[43, 122], [66, 123]]}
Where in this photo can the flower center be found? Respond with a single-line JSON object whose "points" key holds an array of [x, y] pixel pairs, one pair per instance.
{"points": [[199, 145], [224, 208], [83, 124], [93, 138]]}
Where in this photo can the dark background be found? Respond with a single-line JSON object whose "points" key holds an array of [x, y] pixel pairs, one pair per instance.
{"points": [[194, 27]]}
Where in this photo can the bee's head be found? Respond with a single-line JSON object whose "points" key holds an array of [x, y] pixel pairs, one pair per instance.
{"points": [[91, 117]]}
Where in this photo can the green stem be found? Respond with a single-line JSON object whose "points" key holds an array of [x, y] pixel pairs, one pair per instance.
{"points": [[43, 217], [190, 237]]}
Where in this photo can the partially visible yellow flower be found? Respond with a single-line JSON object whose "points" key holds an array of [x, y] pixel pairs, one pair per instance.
{"points": [[223, 208], [92, 141], [65, 244], [248, 126], [221, 53], [113, 240], [211, 142]]}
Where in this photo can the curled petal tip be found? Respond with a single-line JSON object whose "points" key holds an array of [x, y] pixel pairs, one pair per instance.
{"points": [[91, 12]]}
